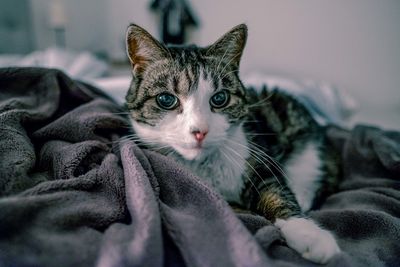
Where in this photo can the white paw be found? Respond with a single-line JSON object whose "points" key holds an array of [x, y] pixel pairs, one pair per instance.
{"points": [[307, 238]]}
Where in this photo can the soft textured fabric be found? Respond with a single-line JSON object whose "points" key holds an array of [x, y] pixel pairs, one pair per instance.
{"points": [[73, 194]]}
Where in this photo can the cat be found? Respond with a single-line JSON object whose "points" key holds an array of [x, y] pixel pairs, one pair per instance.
{"points": [[189, 103]]}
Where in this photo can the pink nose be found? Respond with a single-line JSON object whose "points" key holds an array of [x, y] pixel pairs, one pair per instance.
{"points": [[199, 136]]}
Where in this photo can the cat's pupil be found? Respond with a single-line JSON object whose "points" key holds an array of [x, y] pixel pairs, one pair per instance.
{"points": [[219, 99], [167, 101]]}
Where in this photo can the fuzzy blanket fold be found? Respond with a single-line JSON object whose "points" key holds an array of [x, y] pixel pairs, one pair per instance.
{"points": [[72, 194]]}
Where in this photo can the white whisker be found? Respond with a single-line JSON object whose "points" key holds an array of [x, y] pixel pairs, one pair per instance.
{"points": [[254, 153], [260, 134], [229, 72], [248, 164], [260, 103], [247, 176], [275, 163], [229, 62]]}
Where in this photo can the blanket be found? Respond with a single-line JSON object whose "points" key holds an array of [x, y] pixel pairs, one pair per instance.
{"points": [[73, 193]]}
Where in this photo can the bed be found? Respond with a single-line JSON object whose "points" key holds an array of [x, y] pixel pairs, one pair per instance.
{"points": [[73, 193]]}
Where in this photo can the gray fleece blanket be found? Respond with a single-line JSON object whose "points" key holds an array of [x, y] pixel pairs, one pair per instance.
{"points": [[71, 194]]}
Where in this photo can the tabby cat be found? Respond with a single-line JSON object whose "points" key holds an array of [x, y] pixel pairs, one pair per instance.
{"points": [[189, 103]]}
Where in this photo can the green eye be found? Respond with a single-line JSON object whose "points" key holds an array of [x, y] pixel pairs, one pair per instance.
{"points": [[167, 101], [220, 99]]}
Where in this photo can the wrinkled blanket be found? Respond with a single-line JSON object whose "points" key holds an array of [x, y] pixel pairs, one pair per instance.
{"points": [[73, 194]]}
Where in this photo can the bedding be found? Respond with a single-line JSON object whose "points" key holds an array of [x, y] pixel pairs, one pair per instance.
{"points": [[74, 192], [325, 102], [79, 65]]}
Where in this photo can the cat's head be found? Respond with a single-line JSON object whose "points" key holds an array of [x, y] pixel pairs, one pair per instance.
{"points": [[186, 98]]}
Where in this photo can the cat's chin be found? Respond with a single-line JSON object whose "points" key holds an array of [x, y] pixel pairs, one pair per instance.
{"points": [[190, 153]]}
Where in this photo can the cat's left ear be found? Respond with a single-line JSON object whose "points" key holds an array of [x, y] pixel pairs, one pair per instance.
{"points": [[230, 46], [142, 48]]}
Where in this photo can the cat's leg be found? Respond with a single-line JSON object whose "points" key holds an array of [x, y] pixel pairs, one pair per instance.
{"points": [[277, 203]]}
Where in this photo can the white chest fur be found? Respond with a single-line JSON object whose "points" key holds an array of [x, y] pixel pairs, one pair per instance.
{"points": [[224, 167], [303, 173]]}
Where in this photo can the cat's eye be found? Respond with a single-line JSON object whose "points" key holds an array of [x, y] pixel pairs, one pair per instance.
{"points": [[167, 101], [220, 99]]}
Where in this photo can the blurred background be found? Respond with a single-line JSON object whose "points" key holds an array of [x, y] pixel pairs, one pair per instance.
{"points": [[350, 48]]}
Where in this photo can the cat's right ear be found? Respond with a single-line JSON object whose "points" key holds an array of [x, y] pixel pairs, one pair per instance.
{"points": [[142, 48], [230, 46]]}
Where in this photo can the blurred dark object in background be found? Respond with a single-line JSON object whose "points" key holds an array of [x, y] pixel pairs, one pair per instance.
{"points": [[15, 27], [176, 17]]}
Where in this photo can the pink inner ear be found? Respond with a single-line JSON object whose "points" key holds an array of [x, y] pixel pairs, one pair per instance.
{"points": [[138, 62], [143, 48]]}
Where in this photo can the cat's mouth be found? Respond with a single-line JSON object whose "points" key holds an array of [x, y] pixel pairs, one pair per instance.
{"points": [[194, 146], [190, 152]]}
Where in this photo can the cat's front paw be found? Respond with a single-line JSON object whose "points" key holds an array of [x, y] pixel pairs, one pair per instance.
{"points": [[307, 238]]}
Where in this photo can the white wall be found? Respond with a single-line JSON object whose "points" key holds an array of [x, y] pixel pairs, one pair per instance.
{"points": [[121, 14], [354, 44], [85, 24]]}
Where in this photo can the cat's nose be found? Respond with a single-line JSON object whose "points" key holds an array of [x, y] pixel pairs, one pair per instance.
{"points": [[199, 135]]}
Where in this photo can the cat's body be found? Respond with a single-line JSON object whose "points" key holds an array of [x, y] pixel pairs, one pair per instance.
{"points": [[189, 103], [282, 130]]}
